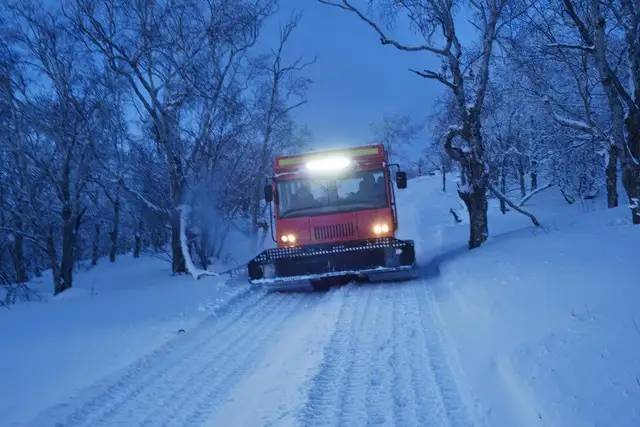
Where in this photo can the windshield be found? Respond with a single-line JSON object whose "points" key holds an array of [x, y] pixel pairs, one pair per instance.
{"points": [[361, 190]]}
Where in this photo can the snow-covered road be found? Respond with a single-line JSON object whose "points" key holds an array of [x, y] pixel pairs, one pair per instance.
{"points": [[385, 363], [361, 354], [537, 328]]}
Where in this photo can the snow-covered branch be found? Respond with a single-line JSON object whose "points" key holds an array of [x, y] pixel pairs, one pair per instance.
{"points": [[572, 46], [384, 39], [515, 207], [428, 74], [148, 203], [533, 193]]}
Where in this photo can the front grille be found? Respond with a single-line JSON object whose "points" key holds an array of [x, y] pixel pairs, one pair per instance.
{"points": [[334, 231]]}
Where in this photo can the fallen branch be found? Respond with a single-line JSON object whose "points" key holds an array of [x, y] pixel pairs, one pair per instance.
{"points": [[515, 207], [533, 193]]}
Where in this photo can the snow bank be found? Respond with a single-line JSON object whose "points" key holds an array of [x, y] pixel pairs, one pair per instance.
{"points": [[113, 315], [545, 322]]}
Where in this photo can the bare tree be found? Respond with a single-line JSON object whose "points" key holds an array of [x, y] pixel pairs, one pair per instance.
{"points": [[598, 26], [158, 48], [283, 91], [467, 76], [58, 140]]}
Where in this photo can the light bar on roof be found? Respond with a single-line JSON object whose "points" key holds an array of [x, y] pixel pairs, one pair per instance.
{"points": [[326, 164], [352, 154]]}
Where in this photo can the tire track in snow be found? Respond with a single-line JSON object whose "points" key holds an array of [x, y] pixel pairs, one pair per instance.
{"points": [[404, 394], [185, 384], [180, 390], [379, 401], [385, 364], [106, 397], [229, 370], [327, 388], [443, 375], [183, 380]]}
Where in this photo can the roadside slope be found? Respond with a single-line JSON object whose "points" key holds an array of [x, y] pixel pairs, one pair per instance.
{"points": [[544, 322]]}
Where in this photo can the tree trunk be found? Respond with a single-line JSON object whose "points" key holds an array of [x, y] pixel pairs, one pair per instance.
{"points": [[53, 263], [68, 246], [503, 190], [534, 176], [178, 264], [444, 180], [521, 181], [114, 230], [95, 249], [18, 259], [476, 203], [137, 239], [177, 258], [203, 250], [612, 177], [137, 245], [631, 168]]}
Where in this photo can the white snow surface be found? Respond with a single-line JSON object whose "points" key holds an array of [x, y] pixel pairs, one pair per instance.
{"points": [[539, 326]]}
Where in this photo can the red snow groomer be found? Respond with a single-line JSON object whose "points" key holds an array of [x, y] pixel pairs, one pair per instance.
{"points": [[335, 220]]}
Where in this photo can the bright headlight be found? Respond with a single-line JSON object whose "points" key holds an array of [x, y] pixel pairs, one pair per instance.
{"points": [[288, 238], [381, 228], [328, 164]]}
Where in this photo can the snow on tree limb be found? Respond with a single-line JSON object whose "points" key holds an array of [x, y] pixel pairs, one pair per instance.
{"points": [[345, 5], [31, 238], [590, 48], [152, 206], [534, 192], [515, 207], [428, 74], [454, 152]]}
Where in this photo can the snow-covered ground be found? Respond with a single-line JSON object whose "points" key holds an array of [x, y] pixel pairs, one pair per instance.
{"points": [[537, 327], [114, 315], [544, 322]]}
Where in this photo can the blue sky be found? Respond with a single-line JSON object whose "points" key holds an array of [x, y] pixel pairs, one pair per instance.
{"points": [[356, 79]]}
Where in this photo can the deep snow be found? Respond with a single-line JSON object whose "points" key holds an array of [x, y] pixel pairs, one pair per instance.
{"points": [[539, 326]]}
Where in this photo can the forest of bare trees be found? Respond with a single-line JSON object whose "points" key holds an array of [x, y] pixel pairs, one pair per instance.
{"points": [[120, 118], [131, 126], [546, 93]]}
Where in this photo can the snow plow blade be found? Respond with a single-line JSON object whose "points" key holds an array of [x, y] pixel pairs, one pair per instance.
{"points": [[374, 259]]}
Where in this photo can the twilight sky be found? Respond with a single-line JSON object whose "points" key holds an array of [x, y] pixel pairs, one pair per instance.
{"points": [[356, 79]]}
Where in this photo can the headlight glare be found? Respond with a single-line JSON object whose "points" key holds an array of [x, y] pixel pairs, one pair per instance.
{"points": [[381, 228], [288, 238]]}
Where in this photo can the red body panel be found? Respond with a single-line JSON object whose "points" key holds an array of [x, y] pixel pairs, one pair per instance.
{"points": [[336, 227]]}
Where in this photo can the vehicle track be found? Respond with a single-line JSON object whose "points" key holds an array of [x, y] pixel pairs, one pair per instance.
{"points": [[183, 382], [385, 364]]}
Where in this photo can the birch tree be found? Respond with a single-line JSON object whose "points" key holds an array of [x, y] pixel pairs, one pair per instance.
{"points": [[465, 73], [599, 27], [158, 48]]}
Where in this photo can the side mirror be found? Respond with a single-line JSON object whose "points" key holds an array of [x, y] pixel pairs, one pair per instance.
{"points": [[268, 193], [401, 179]]}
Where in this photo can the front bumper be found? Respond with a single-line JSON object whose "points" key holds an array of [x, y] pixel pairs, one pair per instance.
{"points": [[376, 259]]}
